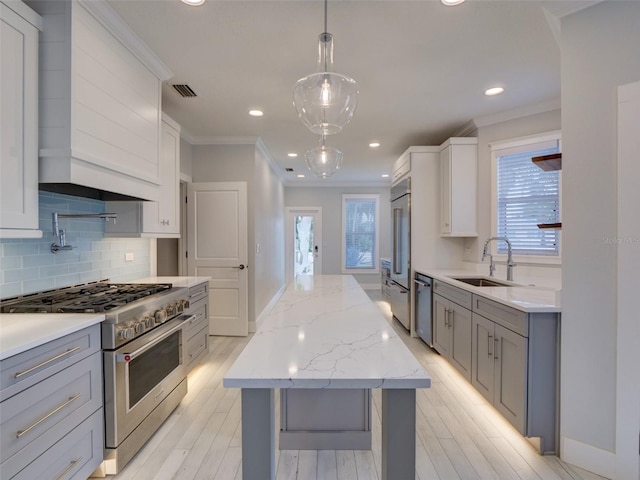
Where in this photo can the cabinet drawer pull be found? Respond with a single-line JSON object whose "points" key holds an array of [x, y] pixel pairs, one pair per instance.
{"points": [[495, 348], [450, 314], [69, 467], [489, 342], [46, 362], [20, 433]]}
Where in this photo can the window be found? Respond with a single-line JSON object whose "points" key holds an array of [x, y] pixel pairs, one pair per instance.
{"points": [[360, 220], [526, 196]]}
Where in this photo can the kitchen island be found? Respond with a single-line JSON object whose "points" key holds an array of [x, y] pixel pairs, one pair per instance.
{"points": [[325, 333]]}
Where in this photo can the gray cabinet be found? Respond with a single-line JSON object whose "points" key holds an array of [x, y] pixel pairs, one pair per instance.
{"points": [[51, 413], [452, 326], [515, 358], [196, 331]]}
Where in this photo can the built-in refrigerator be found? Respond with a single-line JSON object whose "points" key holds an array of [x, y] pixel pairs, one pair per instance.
{"points": [[400, 284]]}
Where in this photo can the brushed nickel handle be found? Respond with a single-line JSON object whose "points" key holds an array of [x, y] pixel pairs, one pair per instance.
{"points": [[46, 362], [20, 433], [68, 469], [240, 267], [495, 348], [489, 342]]}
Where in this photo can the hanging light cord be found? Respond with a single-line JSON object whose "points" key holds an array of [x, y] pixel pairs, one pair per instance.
{"points": [[325, 15]]}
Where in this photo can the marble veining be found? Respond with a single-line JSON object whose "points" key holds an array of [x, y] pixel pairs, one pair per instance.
{"points": [[325, 332]]}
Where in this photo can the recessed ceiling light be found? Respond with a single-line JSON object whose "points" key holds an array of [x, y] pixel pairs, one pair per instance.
{"points": [[300, 175], [193, 3], [493, 91], [385, 175], [451, 3], [374, 144], [256, 113], [292, 155]]}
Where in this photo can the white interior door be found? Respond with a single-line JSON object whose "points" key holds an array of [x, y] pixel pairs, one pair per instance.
{"points": [[304, 241], [217, 247]]}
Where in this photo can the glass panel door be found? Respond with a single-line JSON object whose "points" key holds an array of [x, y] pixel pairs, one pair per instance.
{"points": [[303, 245], [303, 241]]}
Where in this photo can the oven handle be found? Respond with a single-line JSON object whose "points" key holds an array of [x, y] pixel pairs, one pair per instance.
{"points": [[127, 357]]}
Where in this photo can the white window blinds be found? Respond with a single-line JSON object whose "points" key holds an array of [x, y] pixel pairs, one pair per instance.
{"points": [[527, 196], [360, 232]]}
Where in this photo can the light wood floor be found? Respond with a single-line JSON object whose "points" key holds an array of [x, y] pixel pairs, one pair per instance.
{"points": [[459, 435]]}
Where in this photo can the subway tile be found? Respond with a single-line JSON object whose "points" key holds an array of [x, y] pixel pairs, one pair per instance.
{"points": [[37, 260], [20, 275], [53, 270], [18, 249], [33, 286], [8, 290], [11, 262], [67, 280]]}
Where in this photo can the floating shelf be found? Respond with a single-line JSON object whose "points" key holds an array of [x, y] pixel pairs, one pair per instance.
{"points": [[549, 163], [550, 225]]}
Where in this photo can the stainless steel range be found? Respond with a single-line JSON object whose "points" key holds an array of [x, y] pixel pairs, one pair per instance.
{"points": [[143, 354]]}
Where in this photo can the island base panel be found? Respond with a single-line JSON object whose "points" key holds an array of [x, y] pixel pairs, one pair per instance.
{"points": [[325, 419]]}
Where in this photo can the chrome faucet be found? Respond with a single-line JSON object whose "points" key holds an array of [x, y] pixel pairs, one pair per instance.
{"points": [[59, 235], [492, 266]]}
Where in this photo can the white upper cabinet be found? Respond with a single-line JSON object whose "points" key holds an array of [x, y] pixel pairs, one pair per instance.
{"points": [[100, 102], [19, 27], [459, 184], [159, 219], [401, 167]]}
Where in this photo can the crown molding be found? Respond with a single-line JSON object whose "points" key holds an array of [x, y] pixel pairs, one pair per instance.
{"points": [[108, 17], [517, 113]]}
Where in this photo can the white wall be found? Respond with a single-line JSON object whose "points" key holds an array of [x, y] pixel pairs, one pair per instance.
{"points": [[330, 199], [243, 162], [599, 52]]}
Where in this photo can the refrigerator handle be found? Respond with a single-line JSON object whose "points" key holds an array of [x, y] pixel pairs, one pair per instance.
{"points": [[396, 240]]}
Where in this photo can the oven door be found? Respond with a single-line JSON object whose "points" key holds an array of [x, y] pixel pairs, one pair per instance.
{"points": [[139, 376]]}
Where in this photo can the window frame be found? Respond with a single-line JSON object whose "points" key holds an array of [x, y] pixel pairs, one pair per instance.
{"points": [[513, 144], [376, 249]]}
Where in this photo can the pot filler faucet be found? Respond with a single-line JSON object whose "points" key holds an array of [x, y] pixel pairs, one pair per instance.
{"points": [[59, 235], [492, 265]]}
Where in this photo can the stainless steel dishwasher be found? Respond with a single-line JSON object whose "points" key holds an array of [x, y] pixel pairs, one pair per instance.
{"points": [[424, 327]]}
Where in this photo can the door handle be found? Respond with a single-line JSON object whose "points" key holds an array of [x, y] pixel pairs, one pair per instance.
{"points": [[240, 267]]}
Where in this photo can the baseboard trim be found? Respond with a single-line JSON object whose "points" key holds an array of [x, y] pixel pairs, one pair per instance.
{"points": [[253, 326], [588, 457]]}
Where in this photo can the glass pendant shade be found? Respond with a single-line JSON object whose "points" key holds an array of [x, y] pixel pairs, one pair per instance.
{"points": [[323, 161], [325, 101]]}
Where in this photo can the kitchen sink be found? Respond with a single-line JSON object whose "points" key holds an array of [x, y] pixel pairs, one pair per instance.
{"points": [[482, 282]]}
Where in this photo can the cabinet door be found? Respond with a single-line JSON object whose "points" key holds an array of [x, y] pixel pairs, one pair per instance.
{"points": [[445, 192], [510, 376], [441, 332], [164, 216], [482, 363], [18, 126], [460, 328]]}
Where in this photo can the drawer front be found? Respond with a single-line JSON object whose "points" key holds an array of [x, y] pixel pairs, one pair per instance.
{"points": [[198, 292], [197, 323], [75, 456], [39, 416], [508, 317], [197, 347], [455, 294], [28, 368]]}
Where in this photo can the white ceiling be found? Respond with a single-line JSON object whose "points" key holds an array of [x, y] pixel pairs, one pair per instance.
{"points": [[421, 68]]}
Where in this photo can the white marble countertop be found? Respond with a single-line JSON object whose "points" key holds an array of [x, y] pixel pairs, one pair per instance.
{"points": [[175, 281], [325, 332], [521, 297], [20, 332]]}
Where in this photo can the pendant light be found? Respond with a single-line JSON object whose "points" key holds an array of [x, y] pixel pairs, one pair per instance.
{"points": [[325, 100], [323, 161]]}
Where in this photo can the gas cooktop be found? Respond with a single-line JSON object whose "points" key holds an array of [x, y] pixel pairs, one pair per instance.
{"points": [[89, 298]]}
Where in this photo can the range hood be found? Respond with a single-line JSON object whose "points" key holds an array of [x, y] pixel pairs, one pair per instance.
{"points": [[70, 175]]}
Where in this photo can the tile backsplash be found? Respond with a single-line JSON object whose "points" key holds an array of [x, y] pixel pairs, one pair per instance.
{"points": [[27, 265]]}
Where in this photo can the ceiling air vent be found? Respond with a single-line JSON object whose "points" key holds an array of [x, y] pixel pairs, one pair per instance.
{"points": [[288, 169], [185, 90]]}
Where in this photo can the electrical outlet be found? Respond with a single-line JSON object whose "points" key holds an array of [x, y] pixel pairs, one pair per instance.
{"points": [[128, 257], [258, 249]]}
